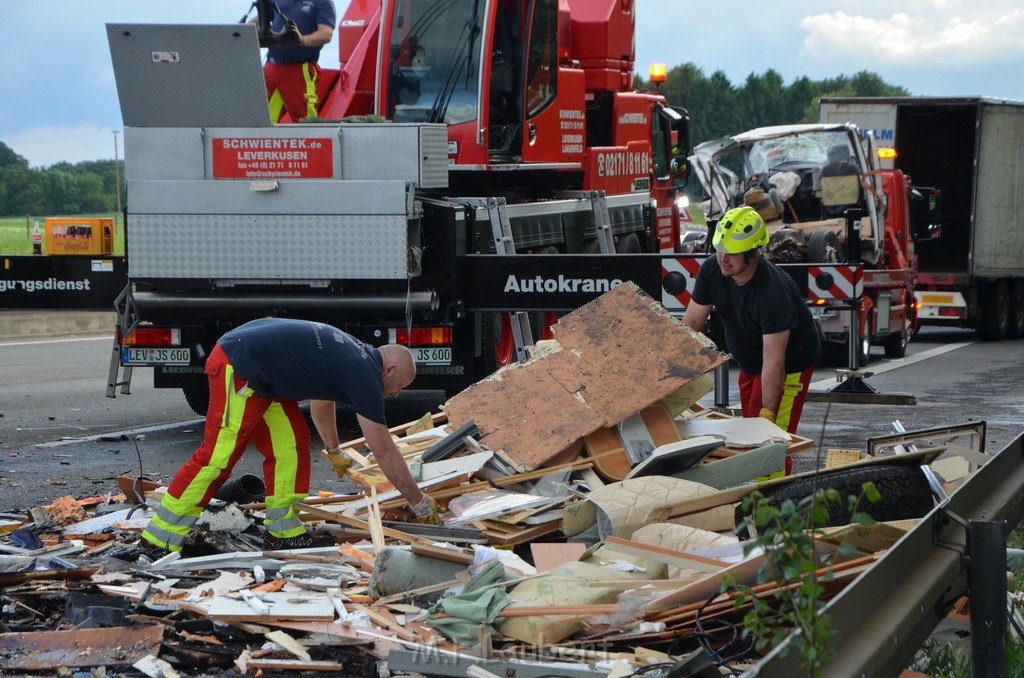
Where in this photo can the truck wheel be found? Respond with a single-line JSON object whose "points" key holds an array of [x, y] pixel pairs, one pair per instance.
{"points": [[197, 397], [592, 247], [896, 344], [995, 311], [629, 244], [864, 345], [903, 488], [823, 247], [541, 321], [498, 342], [1015, 328]]}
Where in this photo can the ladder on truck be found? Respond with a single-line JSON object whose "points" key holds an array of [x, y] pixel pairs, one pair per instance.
{"points": [[127, 320], [504, 244]]}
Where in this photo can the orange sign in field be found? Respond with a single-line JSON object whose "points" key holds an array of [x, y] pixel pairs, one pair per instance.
{"points": [[273, 158]]}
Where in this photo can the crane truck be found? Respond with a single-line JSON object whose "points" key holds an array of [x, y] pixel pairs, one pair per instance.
{"points": [[970, 246], [453, 128]]}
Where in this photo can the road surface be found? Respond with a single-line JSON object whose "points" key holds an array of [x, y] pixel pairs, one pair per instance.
{"points": [[60, 435]]}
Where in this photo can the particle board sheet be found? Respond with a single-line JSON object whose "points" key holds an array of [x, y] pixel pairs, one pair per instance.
{"points": [[614, 356], [45, 650]]}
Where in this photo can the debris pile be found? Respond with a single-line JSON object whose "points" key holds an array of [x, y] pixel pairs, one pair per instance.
{"points": [[591, 515]]}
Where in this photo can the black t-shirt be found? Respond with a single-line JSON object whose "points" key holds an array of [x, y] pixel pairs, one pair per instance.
{"points": [[770, 302], [299, 360]]}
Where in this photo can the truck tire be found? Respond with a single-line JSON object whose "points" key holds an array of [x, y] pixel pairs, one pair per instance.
{"points": [[903, 488], [895, 344], [1015, 328], [197, 397], [995, 311], [629, 244], [542, 321], [864, 344], [823, 248], [498, 341]]}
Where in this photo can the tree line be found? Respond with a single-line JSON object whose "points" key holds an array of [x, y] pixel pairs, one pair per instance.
{"points": [[716, 108], [62, 189]]}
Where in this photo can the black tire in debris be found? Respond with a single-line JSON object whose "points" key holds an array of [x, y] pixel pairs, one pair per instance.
{"points": [[903, 488]]}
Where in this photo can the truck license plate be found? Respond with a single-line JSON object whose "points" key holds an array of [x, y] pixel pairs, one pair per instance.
{"points": [[441, 355], [822, 313], [155, 356]]}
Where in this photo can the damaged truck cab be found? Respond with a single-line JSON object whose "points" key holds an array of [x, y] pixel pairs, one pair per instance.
{"points": [[825, 201]]}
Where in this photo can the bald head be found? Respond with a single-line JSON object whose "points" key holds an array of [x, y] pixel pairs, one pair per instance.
{"points": [[399, 368]]}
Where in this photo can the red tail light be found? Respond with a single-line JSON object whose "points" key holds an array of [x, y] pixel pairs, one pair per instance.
{"points": [[151, 336], [420, 336]]}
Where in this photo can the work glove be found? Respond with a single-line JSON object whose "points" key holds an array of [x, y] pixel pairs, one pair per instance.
{"points": [[427, 511], [292, 33], [338, 461], [767, 414]]}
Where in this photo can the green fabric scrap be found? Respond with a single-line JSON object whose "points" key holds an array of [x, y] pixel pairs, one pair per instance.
{"points": [[476, 605]]}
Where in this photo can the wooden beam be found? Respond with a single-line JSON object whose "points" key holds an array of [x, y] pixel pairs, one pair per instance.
{"points": [[667, 556], [329, 516]]}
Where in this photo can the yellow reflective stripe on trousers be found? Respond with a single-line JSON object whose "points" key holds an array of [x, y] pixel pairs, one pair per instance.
{"points": [[309, 74], [281, 520], [276, 105], [790, 390]]}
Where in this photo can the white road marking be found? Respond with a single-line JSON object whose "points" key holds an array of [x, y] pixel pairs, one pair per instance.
{"points": [[824, 384], [36, 342], [130, 433]]}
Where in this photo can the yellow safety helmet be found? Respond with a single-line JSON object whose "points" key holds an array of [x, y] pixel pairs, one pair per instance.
{"points": [[741, 229]]}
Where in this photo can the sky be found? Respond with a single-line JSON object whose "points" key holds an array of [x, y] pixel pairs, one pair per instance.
{"points": [[58, 100]]}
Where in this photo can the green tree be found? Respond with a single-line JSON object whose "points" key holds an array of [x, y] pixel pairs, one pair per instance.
{"points": [[8, 158], [23, 191], [94, 196], [62, 192]]}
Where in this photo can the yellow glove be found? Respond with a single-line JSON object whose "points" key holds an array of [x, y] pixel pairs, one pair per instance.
{"points": [[767, 414], [337, 460], [427, 511]]}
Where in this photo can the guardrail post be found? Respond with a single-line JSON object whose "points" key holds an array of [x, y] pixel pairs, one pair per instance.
{"points": [[986, 547]]}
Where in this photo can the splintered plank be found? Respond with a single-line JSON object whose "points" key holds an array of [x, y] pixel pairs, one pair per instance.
{"points": [[44, 650], [618, 354]]}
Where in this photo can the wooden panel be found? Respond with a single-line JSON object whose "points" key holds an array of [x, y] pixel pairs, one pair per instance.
{"points": [[615, 466], [618, 354]]}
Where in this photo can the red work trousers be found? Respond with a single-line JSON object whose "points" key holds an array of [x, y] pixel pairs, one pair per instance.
{"points": [[237, 416], [794, 393], [292, 88]]}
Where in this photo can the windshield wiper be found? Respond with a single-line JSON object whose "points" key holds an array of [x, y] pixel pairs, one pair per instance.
{"points": [[462, 54]]}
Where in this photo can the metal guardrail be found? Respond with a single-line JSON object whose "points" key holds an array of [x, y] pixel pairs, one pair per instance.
{"points": [[881, 619]]}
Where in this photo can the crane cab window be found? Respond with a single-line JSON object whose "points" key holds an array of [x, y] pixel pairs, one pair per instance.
{"points": [[434, 61], [542, 58]]}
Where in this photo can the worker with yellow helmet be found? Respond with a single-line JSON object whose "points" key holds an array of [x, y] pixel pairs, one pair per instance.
{"points": [[769, 330]]}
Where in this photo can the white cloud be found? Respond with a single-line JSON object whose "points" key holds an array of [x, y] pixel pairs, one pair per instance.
{"points": [[50, 144], [960, 34]]}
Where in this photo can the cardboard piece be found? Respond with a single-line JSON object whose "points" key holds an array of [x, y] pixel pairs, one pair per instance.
{"points": [[548, 556], [615, 356]]}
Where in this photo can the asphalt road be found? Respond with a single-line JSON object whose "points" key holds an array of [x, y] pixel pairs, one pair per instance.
{"points": [[60, 435]]}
